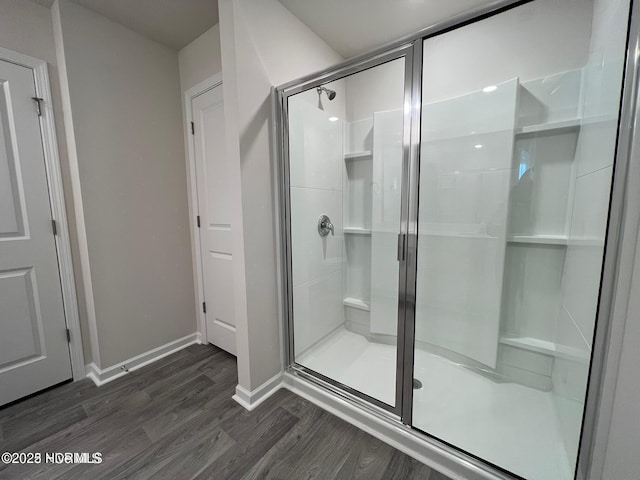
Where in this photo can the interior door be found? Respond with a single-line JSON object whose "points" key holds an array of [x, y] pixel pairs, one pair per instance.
{"points": [[34, 351], [215, 218]]}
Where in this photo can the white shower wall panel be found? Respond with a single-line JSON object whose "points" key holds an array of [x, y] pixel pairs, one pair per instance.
{"points": [[600, 100], [317, 306], [358, 272], [316, 170], [315, 148], [531, 295], [315, 256], [596, 145], [358, 135], [465, 174], [317, 265], [586, 244], [385, 220], [549, 99], [477, 112]]}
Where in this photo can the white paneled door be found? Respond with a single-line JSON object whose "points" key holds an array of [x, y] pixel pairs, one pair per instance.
{"points": [[34, 350], [214, 218]]}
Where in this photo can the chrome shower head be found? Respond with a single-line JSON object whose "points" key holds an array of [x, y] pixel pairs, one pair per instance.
{"points": [[331, 94]]}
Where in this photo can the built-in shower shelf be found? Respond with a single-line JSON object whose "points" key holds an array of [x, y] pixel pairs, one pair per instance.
{"points": [[539, 239], [549, 127], [356, 303], [356, 231], [529, 343], [358, 155]]}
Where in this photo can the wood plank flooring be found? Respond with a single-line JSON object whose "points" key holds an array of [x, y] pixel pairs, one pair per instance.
{"points": [[175, 419]]}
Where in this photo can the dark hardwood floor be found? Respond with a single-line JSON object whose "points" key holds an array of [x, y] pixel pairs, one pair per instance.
{"points": [[175, 419]]}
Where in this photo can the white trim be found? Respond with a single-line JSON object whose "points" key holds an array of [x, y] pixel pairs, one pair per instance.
{"points": [[100, 376], [199, 88], [76, 188], [251, 399], [395, 434], [56, 199], [278, 209], [189, 95]]}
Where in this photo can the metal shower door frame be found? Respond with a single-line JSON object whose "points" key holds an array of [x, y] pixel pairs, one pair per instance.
{"points": [[404, 51], [619, 210]]}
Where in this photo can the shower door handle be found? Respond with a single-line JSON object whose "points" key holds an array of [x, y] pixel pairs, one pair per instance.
{"points": [[401, 246]]}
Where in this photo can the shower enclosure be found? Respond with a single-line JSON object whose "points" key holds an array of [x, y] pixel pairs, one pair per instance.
{"points": [[445, 209]]}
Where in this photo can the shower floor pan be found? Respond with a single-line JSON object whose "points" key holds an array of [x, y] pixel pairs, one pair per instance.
{"points": [[510, 425]]}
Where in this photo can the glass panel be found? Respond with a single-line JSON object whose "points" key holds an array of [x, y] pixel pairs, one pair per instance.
{"points": [[519, 126], [345, 162]]}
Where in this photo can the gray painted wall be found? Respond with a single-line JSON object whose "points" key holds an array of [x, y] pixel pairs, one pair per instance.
{"points": [[200, 59], [263, 45], [126, 112]]}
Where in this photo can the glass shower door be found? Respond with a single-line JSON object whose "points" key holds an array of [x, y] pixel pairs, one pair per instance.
{"points": [[518, 140], [345, 166]]}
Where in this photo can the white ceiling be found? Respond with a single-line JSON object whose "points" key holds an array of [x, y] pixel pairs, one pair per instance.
{"points": [[352, 27], [174, 23]]}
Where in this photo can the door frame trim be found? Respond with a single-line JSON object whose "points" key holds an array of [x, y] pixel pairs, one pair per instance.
{"points": [[194, 210], [56, 200]]}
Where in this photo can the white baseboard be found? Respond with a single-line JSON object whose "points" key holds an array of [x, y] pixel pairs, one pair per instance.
{"points": [[403, 438], [251, 399], [100, 377]]}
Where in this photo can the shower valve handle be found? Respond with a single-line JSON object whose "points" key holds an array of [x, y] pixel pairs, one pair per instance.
{"points": [[325, 226]]}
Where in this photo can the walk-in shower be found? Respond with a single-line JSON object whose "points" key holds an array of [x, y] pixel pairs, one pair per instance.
{"points": [[444, 227]]}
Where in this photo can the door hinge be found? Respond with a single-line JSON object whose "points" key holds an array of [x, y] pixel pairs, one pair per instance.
{"points": [[68, 336], [198, 220], [204, 307], [193, 129], [401, 246], [54, 227], [38, 101]]}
